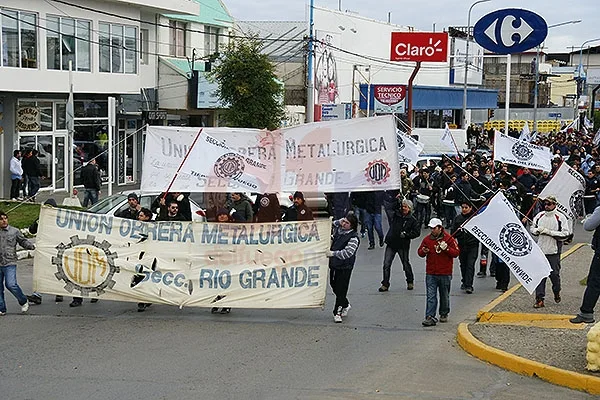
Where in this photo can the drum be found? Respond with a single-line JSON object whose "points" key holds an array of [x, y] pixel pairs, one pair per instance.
{"points": [[423, 199]]}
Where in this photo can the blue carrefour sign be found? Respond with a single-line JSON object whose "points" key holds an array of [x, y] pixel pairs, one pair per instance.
{"points": [[510, 31]]}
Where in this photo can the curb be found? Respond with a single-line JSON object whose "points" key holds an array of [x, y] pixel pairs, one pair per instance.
{"points": [[520, 365]]}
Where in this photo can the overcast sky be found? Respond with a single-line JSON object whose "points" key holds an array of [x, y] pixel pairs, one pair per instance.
{"points": [[422, 14]]}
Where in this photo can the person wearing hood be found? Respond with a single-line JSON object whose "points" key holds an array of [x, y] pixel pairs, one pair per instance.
{"points": [[242, 206], [342, 256], [403, 229], [440, 249], [551, 227], [469, 247]]}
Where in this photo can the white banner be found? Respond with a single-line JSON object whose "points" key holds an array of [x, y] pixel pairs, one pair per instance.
{"points": [[568, 186], [518, 152], [334, 156], [274, 265], [209, 159], [499, 229], [408, 148]]}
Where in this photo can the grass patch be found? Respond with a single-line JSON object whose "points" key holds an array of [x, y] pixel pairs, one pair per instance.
{"points": [[583, 282], [22, 215]]}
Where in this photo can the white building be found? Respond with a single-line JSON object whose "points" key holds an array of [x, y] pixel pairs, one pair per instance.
{"points": [[113, 48]]}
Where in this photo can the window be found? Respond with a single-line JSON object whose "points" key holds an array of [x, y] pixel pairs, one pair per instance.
{"points": [[68, 40], [19, 39], [211, 40], [118, 48], [177, 36], [144, 45]]}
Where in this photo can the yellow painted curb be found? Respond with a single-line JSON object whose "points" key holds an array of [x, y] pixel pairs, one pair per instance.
{"points": [[523, 366]]}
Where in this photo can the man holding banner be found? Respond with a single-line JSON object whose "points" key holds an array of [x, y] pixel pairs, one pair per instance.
{"points": [[551, 227]]}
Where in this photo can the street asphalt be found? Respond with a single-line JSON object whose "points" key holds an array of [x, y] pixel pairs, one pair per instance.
{"points": [[108, 350]]}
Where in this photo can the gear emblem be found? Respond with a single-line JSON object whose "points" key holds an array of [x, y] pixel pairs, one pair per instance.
{"points": [[85, 265], [514, 240], [264, 202], [229, 166], [378, 171], [576, 203], [522, 152]]}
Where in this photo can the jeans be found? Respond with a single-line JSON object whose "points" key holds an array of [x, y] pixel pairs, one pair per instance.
{"points": [[468, 257], [90, 196], [435, 283], [449, 214], [388, 259], [373, 220], [423, 213], [15, 189], [360, 214], [33, 185], [339, 279], [540, 290], [8, 277], [592, 290]]}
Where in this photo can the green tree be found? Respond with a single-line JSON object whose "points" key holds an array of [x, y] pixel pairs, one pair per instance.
{"points": [[248, 85]]}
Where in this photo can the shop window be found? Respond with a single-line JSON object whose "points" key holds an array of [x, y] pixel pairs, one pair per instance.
{"points": [[420, 119], [118, 48], [177, 38], [35, 116], [19, 39], [68, 40], [435, 119], [91, 108]]}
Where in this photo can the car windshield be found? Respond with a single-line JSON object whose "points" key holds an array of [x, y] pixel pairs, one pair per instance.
{"points": [[107, 204]]}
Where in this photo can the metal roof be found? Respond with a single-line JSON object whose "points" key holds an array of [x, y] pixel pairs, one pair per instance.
{"points": [[291, 49]]}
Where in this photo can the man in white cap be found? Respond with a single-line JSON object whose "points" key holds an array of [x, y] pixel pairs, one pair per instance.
{"points": [[441, 249], [551, 227]]}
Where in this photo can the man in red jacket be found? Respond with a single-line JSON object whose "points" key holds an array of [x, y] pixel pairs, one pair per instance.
{"points": [[440, 249]]}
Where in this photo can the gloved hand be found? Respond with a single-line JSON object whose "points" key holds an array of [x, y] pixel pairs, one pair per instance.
{"points": [[402, 235], [544, 231], [535, 231], [443, 245], [329, 253]]}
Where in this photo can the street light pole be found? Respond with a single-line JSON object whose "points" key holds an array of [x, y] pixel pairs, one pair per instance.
{"points": [[537, 73], [464, 111], [310, 95]]}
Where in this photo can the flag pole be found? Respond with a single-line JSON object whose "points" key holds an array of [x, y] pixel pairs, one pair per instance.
{"points": [[183, 162]]}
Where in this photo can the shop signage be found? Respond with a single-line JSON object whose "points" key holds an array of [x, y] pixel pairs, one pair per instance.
{"points": [[154, 115], [28, 119], [389, 99], [419, 46], [336, 111]]}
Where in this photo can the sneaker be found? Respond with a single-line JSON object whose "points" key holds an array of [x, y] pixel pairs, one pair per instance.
{"points": [[410, 286], [75, 303], [34, 299], [2, 313], [225, 310], [58, 299], [362, 235], [539, 304], [141, 307], [214, 310], [481, 274], [443, 318], [469, 290], [383, 288], [94, 300], [429, 321], [581, 319], [337, 318], [25, 307], [371, 247], [557, 298], [345, 310]]}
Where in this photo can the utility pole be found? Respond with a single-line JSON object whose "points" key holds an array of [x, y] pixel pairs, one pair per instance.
{"points": [[310, 96]]}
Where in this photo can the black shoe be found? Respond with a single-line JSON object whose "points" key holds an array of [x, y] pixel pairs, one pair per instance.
{"points": [[141, 307], [371, 247], [75, 303], [557, 298], [410, 286], [214, 310], [381, 243], [225, 310], [580, 319], [492, 274], [428, 322], [481, 274], [383, 288], [34, 299], [94, 300], [58, 299], [469, 290]]}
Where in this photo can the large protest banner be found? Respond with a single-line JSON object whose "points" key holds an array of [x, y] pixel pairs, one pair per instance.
{"points": [[271, 265], [568, 186], [519, 152], [334, 156], [499, 229]]}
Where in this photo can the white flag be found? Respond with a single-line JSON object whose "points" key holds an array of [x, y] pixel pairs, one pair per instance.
{"points": [[568, 186], [518, 152], [596, 140], [448, 140], [525, 133], [499, 229], [587, 123], [572, 125], [210, 159], [408, 148]]}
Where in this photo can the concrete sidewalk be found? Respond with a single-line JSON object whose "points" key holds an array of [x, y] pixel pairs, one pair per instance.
{"points": [[512, 334]]}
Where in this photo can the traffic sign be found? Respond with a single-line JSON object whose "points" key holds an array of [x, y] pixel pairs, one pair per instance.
{"points": [[509, 31], [419, 46], [554, 115]]}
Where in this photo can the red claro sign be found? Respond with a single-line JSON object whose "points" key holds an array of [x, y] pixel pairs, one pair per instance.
{"points": [[419, 46]]}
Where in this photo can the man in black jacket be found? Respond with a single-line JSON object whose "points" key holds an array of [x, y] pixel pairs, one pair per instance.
{"points": [[468, 245], [90, 177], [403, 229]]}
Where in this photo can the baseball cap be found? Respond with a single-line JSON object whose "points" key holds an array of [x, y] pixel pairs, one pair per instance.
{"points": [[435, 222], [551, 199], [132, 196]]}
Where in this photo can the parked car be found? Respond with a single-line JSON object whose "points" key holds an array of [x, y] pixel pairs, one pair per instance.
{"points": [[118, 202]]}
